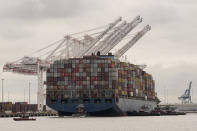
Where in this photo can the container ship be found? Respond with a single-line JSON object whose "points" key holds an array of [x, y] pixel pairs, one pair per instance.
{"points": [[104, 85], [96, 80], [101, 83]]}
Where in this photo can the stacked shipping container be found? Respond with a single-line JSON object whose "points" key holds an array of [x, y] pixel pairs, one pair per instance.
{"points": [[17, 107], [24, 107], [5, 106], [97, 77]]}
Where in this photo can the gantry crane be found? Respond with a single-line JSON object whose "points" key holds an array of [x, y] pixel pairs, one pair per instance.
{"points": [[70, 47], [186, 97], [37, 66]]}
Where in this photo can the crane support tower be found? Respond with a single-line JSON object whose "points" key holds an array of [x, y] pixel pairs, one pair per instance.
{"points": [[102, 39]]}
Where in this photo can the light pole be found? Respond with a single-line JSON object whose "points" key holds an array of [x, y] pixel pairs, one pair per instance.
{"points": [[24, 94], [2, 90], [29, 91], [8, 96]]}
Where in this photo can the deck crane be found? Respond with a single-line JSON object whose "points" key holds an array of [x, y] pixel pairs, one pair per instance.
{"points": [[123, 33], [97, 48], [186, 97], [126, 47], [100, 37]]}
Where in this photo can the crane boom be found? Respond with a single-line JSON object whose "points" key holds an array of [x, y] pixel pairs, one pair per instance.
{"points": [[110, 41], [123, 33], [100, 36], [126, 47], [107, 39], [48, 57]]}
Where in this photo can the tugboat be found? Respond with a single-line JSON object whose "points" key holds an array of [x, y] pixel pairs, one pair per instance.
{"points": [[171, 110], [144, 111], [24, 118], [166, 110], [80, 111]]}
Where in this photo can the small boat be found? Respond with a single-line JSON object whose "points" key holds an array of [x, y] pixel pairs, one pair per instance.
{"points": [[24, 118], [80, 111]]}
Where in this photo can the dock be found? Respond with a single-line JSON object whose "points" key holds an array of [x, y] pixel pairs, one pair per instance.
{"points": [[30, 114]]}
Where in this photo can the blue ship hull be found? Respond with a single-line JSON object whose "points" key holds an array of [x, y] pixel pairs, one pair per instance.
{"points": [[93, 109], [103, 107]]}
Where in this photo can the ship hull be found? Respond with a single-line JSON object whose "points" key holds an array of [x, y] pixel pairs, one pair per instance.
{"points": [[102, 85], [135, 105], [124, 106]]}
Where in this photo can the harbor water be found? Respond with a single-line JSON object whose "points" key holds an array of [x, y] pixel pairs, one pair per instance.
{"points": [[137, 123]]}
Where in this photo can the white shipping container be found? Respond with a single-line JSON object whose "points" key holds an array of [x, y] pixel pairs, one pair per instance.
{"points": [[131, 93], [136, 90]]}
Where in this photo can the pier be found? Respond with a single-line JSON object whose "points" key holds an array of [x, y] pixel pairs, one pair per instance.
{"points": [[38, 114]]}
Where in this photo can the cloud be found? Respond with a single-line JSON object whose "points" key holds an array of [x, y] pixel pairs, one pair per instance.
{"points": [[45, 9], [19, 19], [159, 13], [15, 31]]}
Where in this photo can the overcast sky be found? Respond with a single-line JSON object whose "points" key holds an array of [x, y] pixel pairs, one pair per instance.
{"points": [[169, 49]]}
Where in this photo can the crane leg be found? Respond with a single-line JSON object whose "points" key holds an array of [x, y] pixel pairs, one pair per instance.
{"points": [[40, 92]]}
